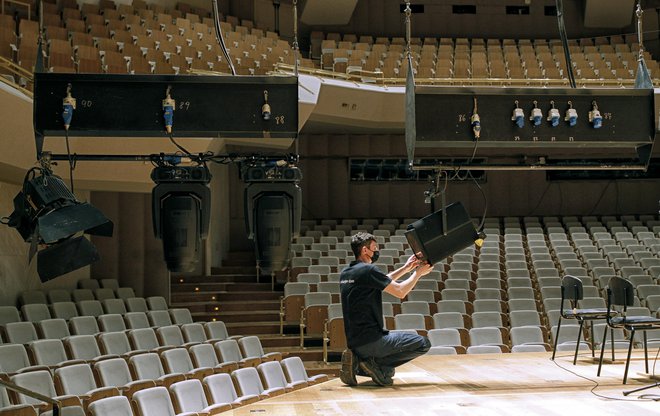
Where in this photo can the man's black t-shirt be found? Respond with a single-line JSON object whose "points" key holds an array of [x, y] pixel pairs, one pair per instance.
{"points": [[362, 286]]}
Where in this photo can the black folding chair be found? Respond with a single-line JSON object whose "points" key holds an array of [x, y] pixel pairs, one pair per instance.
{"points": [[571, 291], [620, 292]]}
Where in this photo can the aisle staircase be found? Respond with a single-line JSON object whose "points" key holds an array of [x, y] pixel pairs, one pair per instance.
{"points": [[233, 294]]}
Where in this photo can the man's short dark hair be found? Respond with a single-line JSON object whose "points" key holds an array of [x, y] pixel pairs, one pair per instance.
{"points": [[360, 240]]}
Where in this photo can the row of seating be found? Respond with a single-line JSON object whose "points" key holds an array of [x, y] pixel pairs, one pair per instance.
{"points": [[107, 387], [27, 331]]}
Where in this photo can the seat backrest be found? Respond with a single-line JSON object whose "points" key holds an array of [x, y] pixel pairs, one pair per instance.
{"points": [[53, 329], [83, 325], [78, 295], [177, 360], [90, 308], [82, 347], [203, 355], [216, 330], [159, 318], [228, 350], [156, 303], [35, 312], [146, 366], [416, 307], [39, 381], [220, 388], [9, 314], [272, 374], [294, 369], [251, 346], [110, 284], [136, 320], [125, 293], [193, 332], [64, 310], [111, 406], [188, 396], [49, 352], [620, 292], [104, 293], [248, 381], [486, 319], [143, 339], [111, 323], [76, 379], [170, 336], [113, 372], [571, 289], [114, 343], [20, 332], [481, 336], [114, 306], [13, 357], [136, 304], [59, 295], [296, 288], [181, 316], [153, 402], [317, 298], [32, 296], [409, 321], [444, 337], [88, 284]]}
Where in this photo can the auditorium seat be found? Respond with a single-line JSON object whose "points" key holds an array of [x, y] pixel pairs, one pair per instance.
{"points": [[177, 360], [148, 366], [64, 310], [155, 402], [78, 380], [136, 320], [219, 389], [204, 356], [115, 373], [53, 328], [249, 383], [251, 348], [229, 352], [14, 359], [83, 325], [446, 337], [9, 314], [41, 381], [115, 406], [188, 396], [20, 332]]}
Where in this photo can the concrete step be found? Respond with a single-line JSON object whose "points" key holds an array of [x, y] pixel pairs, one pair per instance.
{"points": [[208, 296], [221, 278], [251, 316], [220, 287]]}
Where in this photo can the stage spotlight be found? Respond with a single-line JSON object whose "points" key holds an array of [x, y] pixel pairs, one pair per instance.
{"points": [[273, 205], [46, 213], [181, 209]]}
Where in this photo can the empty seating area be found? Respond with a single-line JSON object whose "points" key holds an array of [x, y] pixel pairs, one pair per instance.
{"points": [[89, 344], [441, 60], [505, 295], [139, 38]]}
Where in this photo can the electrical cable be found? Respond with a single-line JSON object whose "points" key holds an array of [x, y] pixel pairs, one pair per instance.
{"points": [[72, 161], [596, 384], [564, 41], [220, 38]]}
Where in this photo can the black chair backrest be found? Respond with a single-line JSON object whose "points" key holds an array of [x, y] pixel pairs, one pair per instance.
{"points": [[620, 292], [571, 288]]}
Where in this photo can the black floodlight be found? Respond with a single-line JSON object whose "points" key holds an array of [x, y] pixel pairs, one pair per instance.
{"points": [[181, 213], [47, 213]]}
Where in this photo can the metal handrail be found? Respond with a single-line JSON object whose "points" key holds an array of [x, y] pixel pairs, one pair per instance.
{"points": [[15, 387], [379, 78], [17, 71]]}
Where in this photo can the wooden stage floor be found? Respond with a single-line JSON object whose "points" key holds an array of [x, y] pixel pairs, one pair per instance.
{"points": [[503, 384]]}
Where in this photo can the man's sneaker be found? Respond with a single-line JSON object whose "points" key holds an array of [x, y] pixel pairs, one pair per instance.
{"points": [[349, 366], [370, 367]]}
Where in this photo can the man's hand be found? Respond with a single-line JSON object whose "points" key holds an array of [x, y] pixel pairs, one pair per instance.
{"points": [[411, 264], [424, 269]]}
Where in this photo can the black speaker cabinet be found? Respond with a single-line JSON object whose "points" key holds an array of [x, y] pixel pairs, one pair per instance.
{"points": [[429, 239]]}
